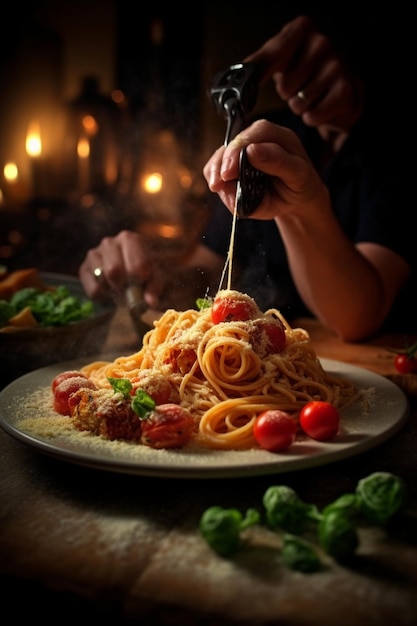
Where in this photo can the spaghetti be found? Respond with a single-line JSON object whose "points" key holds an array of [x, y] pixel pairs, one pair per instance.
{"points": [[228, 372], [225, 374]]}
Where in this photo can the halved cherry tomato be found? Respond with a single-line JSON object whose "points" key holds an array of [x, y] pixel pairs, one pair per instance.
{"points": [[405, 364], [168, 426], [63, 376], [232, 306], [66, 388], [275, 430], [320, 420]]}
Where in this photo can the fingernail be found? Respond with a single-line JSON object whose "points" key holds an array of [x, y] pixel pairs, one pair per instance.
{"points": [[213, 178]]}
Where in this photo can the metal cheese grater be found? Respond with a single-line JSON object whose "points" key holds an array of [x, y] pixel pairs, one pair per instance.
{"points": [[233, 93]]}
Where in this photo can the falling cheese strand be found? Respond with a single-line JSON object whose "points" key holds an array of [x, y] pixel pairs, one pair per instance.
{"points": [[229, 259]]}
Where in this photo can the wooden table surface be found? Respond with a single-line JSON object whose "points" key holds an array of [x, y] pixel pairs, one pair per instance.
{"points": [[80, 544]]}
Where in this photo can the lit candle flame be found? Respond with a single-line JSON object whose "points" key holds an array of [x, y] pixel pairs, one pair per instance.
{"points": [[83, 152], [33, 141], [11, 172], [152, 183], [83, 148]]}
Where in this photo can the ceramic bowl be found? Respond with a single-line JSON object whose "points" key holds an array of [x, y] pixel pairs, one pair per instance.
{"points": [[24, 350]]}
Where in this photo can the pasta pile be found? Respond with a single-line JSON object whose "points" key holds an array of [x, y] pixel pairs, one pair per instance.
{"points": [[225, 378]]}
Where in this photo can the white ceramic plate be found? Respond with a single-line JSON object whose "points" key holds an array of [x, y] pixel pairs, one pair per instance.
{"points": [[361, 431]]}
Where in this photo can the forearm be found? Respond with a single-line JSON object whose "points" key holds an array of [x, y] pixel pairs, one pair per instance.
{"points": [[338, 283]]}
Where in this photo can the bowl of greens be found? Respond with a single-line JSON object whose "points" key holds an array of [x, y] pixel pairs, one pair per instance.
{"points": [[46, 318]]}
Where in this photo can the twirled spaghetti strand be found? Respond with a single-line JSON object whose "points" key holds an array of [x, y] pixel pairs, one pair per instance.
{"points": [[218, 375]]}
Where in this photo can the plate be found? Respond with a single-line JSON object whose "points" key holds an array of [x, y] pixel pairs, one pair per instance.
{"points": [[361, 430]]}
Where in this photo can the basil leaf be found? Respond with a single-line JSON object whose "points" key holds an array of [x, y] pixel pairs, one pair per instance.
{"points": [[122, 385], [143, 404]]}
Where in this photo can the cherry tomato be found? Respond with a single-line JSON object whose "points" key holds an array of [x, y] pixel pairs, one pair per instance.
{"points": [[168, 426], [232, 306], [320, 420], [156, 385], [66, 388], [63, 376], [275, 430], [405, 364], [268, 335]]}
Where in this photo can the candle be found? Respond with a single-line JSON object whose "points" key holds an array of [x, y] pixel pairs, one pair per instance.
{"points": [[83, 152], [34, 151], [13, 189]]}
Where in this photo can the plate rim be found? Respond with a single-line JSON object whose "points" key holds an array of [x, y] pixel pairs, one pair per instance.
{"points": [[271, 465]]}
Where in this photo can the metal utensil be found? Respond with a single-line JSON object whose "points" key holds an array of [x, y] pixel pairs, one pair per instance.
{"points": [[250, 187], [137, 307], [233, 92]]}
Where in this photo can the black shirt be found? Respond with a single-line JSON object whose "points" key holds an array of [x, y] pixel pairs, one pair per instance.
{"points": [[372, 198]]}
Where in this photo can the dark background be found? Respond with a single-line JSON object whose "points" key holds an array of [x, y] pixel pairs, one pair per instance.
{"points": [[163, 60]]}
